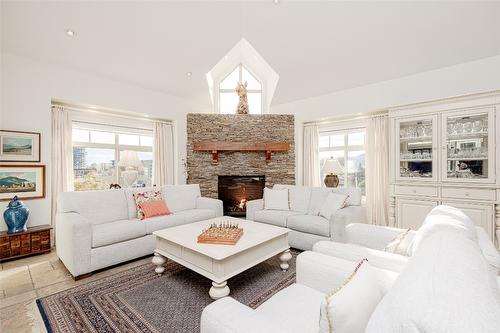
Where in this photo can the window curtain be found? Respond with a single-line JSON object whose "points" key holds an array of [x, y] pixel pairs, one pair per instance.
{"points": [[61, 158], [163, 154], [377, 169], [311, 156]]}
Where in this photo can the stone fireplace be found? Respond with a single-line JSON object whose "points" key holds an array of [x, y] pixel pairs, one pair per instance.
{"points": [[235, 191], [275, 166]]}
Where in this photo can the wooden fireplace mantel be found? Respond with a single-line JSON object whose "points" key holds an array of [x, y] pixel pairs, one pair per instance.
{"points": [[216, 147]]}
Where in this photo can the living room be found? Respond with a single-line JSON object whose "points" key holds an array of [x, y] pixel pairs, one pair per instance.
{"points": [[250, 166]]}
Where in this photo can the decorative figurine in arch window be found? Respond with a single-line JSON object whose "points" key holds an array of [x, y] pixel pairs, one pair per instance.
{"points": [[241, 90]]}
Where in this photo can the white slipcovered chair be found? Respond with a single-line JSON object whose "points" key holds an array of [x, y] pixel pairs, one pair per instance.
{"points": [[445, 286]]}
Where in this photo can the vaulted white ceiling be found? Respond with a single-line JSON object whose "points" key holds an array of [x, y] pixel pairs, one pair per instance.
{"points": [[315, 47]]}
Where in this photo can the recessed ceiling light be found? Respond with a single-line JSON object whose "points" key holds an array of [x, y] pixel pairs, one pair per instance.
{"points": [[189, 74], [276, 2], [70, 33]]}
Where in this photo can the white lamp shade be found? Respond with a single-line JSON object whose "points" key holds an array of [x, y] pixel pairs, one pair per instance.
{"points": [[129, 158], [332, 166]]}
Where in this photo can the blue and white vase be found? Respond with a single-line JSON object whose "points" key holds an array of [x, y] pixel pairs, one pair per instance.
{"points": [[16, 216]]}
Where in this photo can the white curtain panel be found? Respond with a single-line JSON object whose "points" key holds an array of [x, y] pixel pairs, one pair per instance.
{"points": [[163, 154], [62, 156], [311, 166], [377, 169]]}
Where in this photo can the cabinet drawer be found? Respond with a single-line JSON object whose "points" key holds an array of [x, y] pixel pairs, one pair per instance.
{"points": [[416, 190], [468, 193]]}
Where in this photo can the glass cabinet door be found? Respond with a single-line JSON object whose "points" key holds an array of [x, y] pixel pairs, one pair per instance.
{"points": [[416, 148], [467, 139]]}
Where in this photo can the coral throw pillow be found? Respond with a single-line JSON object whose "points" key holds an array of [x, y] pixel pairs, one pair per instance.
{"points": [[154, 208], [148, 196]]}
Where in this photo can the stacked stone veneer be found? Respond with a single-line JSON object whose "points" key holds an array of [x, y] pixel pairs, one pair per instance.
{"points": [[239, 128]]}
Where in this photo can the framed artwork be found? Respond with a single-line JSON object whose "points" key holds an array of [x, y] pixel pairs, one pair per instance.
{"points": [[16, 146], [25, 181]]}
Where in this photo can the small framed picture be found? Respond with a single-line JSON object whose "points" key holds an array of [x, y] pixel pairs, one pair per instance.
{"points": [[16, 146], [25, 181]]}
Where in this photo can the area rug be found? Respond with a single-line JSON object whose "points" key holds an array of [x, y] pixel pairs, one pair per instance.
{"points": [[137, 300]]}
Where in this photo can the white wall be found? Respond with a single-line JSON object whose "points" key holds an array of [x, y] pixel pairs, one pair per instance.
{"points": [[467, 78], [28, 86]]}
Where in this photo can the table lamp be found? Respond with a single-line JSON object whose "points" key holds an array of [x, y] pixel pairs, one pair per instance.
{"points": [[332, 168]]}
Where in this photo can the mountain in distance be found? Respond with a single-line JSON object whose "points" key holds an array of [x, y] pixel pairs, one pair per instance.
{"points": [[10, 181]]}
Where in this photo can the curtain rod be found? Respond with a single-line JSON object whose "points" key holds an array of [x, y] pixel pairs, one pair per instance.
{"points": [[347, 118], [110, 113]]}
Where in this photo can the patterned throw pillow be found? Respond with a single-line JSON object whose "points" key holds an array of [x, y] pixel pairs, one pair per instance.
{"points": [[141, 197]]}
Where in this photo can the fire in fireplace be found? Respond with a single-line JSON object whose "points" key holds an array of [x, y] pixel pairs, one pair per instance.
{"points": [[235, 191]]}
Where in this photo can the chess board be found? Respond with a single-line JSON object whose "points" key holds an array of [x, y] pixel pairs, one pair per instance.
{"points": [[220, 235]]}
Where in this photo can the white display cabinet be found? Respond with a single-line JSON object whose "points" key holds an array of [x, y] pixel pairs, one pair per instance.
{"points": [[445, 152]]}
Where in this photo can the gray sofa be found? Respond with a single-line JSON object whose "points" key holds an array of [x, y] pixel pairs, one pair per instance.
{"points": [[97, 229], [306, 228]]}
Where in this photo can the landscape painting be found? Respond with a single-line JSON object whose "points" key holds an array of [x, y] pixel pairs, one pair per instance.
{"points": [[25, 181], [16, 146]]}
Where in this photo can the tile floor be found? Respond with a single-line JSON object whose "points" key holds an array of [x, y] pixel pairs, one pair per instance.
{"points": [[24, 280]]}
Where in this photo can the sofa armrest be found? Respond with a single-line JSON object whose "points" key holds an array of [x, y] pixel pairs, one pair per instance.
{"points": [[342, 217], [353, 252], [325, 273], [253, 206], [227, 315], [74, 242], [489, 250], [209, 203], [372, 236]]}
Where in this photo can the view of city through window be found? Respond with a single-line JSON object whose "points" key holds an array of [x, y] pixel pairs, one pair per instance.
{"points": [[345, 146], [101, 158]]}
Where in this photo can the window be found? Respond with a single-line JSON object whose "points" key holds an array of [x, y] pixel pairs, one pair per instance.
{"points": [[105, 155], [228, 99], [345, 145]]}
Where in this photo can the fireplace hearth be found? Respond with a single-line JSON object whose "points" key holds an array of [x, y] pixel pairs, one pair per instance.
{"points": [[235, 191]]}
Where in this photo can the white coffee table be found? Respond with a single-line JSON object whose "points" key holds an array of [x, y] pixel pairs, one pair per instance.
{"points": [[258, 243]]}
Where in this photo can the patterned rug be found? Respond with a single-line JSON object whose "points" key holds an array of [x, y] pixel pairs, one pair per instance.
{"points": [[137, 300]]}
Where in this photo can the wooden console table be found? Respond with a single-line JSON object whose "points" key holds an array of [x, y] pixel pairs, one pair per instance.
{"points": [[20, 244]]}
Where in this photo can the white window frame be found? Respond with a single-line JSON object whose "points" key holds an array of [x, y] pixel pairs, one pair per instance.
{"points": [[116, 145], [240, 78], [345, 148]]}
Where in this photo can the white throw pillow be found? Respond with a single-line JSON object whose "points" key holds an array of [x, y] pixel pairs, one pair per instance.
{"points": [[354, 194], [348, 308], [333, 202], [276, 199], [401, 244], [299, 196], [318, 197], [444, 218]]}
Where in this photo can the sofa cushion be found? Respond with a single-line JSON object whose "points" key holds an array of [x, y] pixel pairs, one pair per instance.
{"points": [[354, 194], [310, 224], [274, 217], [299, 196], [296, 307], [445, 287], [117, 231], [277, 199], [195, 215], [318, 197], [162, 222], [181, 197], [444, 218], [96, 206]]}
